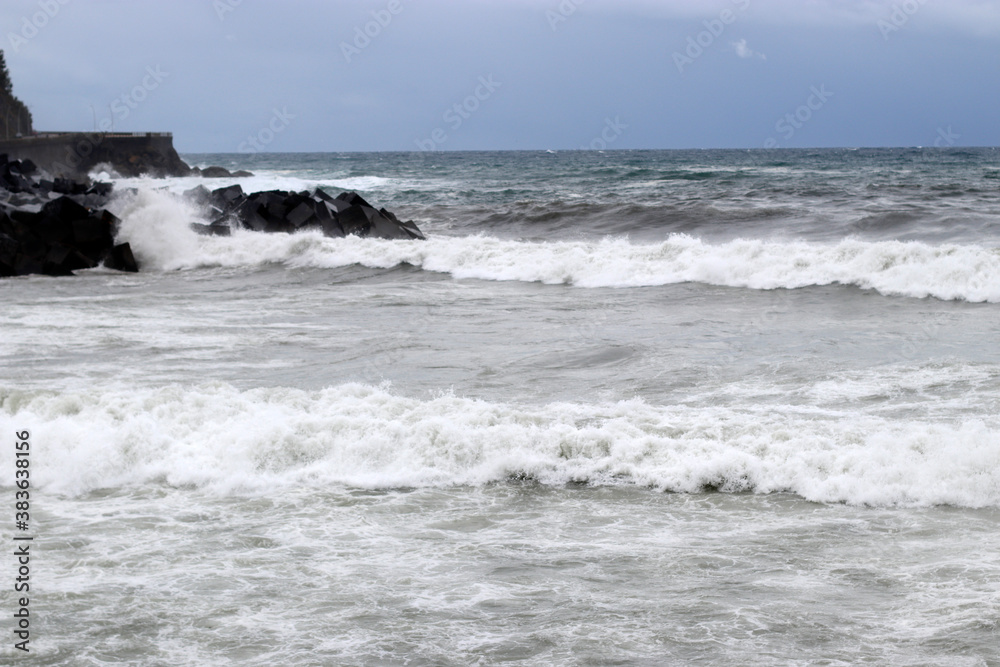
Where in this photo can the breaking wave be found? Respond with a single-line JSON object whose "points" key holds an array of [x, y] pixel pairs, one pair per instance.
{"points": [[223, 440], [157, 226]]}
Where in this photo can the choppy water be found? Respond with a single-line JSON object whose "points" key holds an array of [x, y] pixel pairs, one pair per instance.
{"points": [[628, 408]]}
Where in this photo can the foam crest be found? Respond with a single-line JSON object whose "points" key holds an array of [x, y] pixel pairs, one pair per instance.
{"points": [[156, 223], [968, 273], [223, 440]]}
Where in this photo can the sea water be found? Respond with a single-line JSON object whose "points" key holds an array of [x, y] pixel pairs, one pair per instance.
{"points": [[635, 408]]}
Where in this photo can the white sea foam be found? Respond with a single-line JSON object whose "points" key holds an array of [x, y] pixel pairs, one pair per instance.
{"points": [[286, 180], [157, 225], [223, 440]]}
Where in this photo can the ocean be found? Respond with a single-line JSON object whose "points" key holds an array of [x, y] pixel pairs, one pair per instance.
{"points": [[619, 408]]}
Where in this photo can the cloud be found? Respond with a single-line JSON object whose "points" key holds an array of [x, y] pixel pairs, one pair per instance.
{"points": [[744, 51], [980, 17]]}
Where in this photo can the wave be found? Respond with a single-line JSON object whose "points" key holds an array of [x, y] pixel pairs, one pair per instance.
{"points": [[222, 440], [156, 224], [285, 180]]}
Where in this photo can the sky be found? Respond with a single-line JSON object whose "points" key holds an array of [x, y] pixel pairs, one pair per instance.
{"points": [[242, 76]]}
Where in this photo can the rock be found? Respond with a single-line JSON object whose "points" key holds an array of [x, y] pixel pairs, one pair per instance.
{"points": [[215, 172], [100, 189], [65, 208], [214, 229], [58, 226], [302, 214], [199, 195], [64, 186], [240, 173], [354, 221], [8, 255], [56, 236], [224, 197], [384, 228], [121, 259], [277, 211], [64, 260]]}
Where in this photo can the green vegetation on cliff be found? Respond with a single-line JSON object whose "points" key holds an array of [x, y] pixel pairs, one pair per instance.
{"points": [[15, 119]]}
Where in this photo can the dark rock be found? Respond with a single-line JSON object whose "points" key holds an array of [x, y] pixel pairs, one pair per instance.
{"points": [[241, 173], [302, 214], [26, 202], [214, 229], [276, 211], [384, 228], [333, 228], [354, 199], [91, 231], [8, 255], [320, 194], [65, 209], [228, 194], [55, 227], [252, 215], [64, 260], [101, 189], [216, 172], [412, 229], [199, 195], [64, 186], [26, 265], [121, 259], [354, 221]]}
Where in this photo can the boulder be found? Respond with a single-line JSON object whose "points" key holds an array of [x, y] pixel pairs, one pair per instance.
{"points": [[55, 227], [224, 198], [216, 172], [120, 258], [214, 229], [277, 211]]}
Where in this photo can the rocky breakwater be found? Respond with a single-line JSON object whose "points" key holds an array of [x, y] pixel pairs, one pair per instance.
{"points": [[55, 227], [286, 212]]}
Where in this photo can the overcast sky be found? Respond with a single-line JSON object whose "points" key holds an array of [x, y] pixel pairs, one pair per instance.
{"points": [[311, 75]]}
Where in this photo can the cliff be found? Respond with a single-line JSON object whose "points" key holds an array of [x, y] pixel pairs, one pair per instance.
{"points": [[74, 154]]}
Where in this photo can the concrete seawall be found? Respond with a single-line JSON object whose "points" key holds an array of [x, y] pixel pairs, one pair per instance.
{"points": [[74, 154]]}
